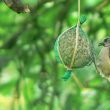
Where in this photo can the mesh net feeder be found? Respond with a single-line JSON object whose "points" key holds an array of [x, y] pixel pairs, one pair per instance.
{"points": [[73, 49]]}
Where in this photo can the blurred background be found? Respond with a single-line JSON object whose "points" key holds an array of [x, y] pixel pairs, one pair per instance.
{"points": [[30, 77]]}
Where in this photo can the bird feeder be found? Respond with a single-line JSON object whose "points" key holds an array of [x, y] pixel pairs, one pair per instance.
{"points": [[73, 49]]}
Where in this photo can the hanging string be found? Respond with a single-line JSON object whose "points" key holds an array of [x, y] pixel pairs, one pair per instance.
{"points": [[76, 45], [78, 12], [75, 50], [77, 35]]}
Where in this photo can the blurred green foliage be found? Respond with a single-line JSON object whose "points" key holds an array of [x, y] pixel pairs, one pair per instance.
{"points": [[30, 77]]}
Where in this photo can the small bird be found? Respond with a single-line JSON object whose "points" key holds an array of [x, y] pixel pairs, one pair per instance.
{"points": [[103, 63], [17, 6]]}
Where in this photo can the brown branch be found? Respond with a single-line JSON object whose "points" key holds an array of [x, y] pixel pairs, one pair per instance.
{"points": [[10, 43], [102, 4]]}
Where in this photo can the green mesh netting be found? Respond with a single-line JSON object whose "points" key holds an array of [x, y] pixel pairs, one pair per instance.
{"points": [[56, 51], [65, 47], [67, 75]]}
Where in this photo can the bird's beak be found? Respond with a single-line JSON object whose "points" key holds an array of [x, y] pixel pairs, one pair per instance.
{"points": [[101, 44]]}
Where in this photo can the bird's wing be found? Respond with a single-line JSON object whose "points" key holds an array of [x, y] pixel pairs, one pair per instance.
{"points": [[109, 52]]}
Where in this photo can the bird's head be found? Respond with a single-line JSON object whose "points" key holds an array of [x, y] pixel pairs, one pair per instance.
{"points": [[105, 42]]}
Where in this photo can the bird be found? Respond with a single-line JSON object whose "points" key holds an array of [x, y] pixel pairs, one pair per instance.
{"points": [[103, 62], [17, 6]]}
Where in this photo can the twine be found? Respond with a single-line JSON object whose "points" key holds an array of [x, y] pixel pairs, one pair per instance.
{"points": [[77, 35], [76, 45]]}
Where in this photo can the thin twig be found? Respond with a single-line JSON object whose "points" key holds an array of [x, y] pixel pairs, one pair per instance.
{"points": [[101, 5], [78, 12], [77, 81]]}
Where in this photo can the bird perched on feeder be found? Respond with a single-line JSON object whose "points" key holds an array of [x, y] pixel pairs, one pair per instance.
{"points": [[103, 63]]}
